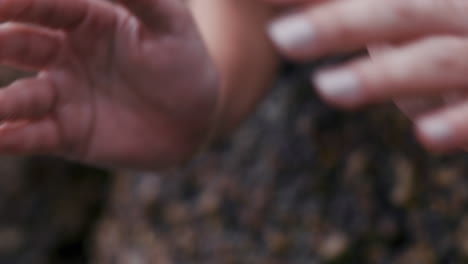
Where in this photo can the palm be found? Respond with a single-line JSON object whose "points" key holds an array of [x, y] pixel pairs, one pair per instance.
{"points": [[112, 88]]}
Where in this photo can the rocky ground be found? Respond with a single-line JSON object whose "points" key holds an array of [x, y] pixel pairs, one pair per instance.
{"points": [[298, 183]]}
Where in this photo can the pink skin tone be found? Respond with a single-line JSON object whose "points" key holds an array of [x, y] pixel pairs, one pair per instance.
{"points": [[234, 32], [429, 58], [127, 84], [141, 84], [131, 84]]}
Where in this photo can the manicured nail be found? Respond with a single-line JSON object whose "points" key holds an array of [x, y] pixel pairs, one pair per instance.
{"points": [[292, 32], [341, 86], [436, 130]]}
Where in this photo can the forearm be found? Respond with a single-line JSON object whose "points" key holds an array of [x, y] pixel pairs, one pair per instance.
{"points": [[234, 31]]}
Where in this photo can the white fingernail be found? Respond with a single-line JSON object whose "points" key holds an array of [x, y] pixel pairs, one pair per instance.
{"points": [[435, 129], [292, 32], [342, 86]]}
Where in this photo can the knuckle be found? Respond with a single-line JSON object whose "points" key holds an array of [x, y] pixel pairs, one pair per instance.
{"points": [[343, 30], [43, 50], [452, 58], [455, 10], [445, 61], [455, 6], [422, 10], [337, 28], [404, 11]]}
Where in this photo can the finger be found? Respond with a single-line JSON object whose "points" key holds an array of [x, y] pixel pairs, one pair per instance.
{"points": [[445, 130], [348, 25], [26, 99], [28, 47], [293, 2], [157, 14], [378, 49], [58, 14], [415, 106], [425, 67], [36, 137]]}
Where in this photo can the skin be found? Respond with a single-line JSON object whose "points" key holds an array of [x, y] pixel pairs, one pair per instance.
{"points": [[106, 91], [427, 58], [234, 31], [129, 83], [110, 92]]}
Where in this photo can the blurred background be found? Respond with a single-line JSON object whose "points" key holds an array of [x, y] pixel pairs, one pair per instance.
{"points": [[299, 183]]}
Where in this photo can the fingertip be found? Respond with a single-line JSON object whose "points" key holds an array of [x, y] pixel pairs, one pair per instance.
{"points": [[340, 87], [293, 35], [434, 133]]}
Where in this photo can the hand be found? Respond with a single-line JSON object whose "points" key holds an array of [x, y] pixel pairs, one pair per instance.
{"points": [[431, 57], [417, 106], [127, 83]]}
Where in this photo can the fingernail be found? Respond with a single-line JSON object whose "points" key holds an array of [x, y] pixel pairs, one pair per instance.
{"points": [[292, 32], [435, 129], [342, 86]]}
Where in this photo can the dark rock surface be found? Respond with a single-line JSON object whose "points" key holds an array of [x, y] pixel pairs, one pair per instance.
{"points": [[298, 183]]}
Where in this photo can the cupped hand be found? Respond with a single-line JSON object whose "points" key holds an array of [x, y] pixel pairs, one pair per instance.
{"points": [[429, 57], [125, 84]]}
